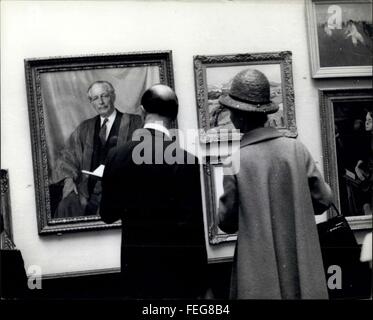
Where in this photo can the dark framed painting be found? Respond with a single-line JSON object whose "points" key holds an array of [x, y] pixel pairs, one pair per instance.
{"points": [[340, 38], [79, 109], [213, 171], [6, 230], [347, 142], [213, 77]]}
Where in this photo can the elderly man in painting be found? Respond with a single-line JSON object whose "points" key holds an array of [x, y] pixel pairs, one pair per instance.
{"points": [[87, 148]]}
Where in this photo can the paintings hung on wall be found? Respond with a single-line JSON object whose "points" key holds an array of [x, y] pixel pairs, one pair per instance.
{"points": [[347, 140], [340, 37], [69, 99], [6, 231], [213, 77], [213, 177]]}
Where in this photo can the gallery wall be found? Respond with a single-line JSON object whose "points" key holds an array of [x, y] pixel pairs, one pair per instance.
{"points": [[32, 29]]}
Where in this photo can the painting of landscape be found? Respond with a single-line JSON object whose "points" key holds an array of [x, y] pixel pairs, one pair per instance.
{"points": [[219, 80]]}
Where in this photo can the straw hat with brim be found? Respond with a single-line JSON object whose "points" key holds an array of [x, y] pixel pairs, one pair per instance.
{"points": [[250, 91]]}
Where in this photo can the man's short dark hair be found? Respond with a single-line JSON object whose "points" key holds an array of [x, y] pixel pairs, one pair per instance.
{"points": [[161, 100]]}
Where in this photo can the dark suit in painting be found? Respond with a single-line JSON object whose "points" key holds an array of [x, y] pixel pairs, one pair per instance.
{"points": [[163, 244], [84, 151]]}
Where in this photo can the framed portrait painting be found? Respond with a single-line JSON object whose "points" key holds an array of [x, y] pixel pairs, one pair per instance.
{"points": [[213, 77], [340, 38], [79, 109], [347, 141]]}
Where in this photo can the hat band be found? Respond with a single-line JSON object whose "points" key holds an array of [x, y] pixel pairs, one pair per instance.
{"points": [[249, 101]]}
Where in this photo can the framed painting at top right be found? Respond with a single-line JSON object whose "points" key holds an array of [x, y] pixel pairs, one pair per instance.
{"points": [[347, 142], [340, 37]]}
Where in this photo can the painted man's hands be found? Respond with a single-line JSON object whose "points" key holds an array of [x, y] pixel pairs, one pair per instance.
{"points": [[68, 187]]}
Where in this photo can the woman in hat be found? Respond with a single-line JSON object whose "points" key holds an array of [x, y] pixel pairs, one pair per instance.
{"points": [[270, 198]]}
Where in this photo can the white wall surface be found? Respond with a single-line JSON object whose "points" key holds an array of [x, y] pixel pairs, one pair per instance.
{"points": [[33, 29]]}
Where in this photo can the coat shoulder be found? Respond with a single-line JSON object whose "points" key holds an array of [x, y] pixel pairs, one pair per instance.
{"points": [[124, 150]]}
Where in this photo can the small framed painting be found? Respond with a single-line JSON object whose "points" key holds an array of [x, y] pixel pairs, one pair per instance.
{"points": [[340, 38]]}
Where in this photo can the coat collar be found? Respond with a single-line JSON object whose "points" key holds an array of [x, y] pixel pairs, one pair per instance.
{"points": [[157, 127], [259, 135]]}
